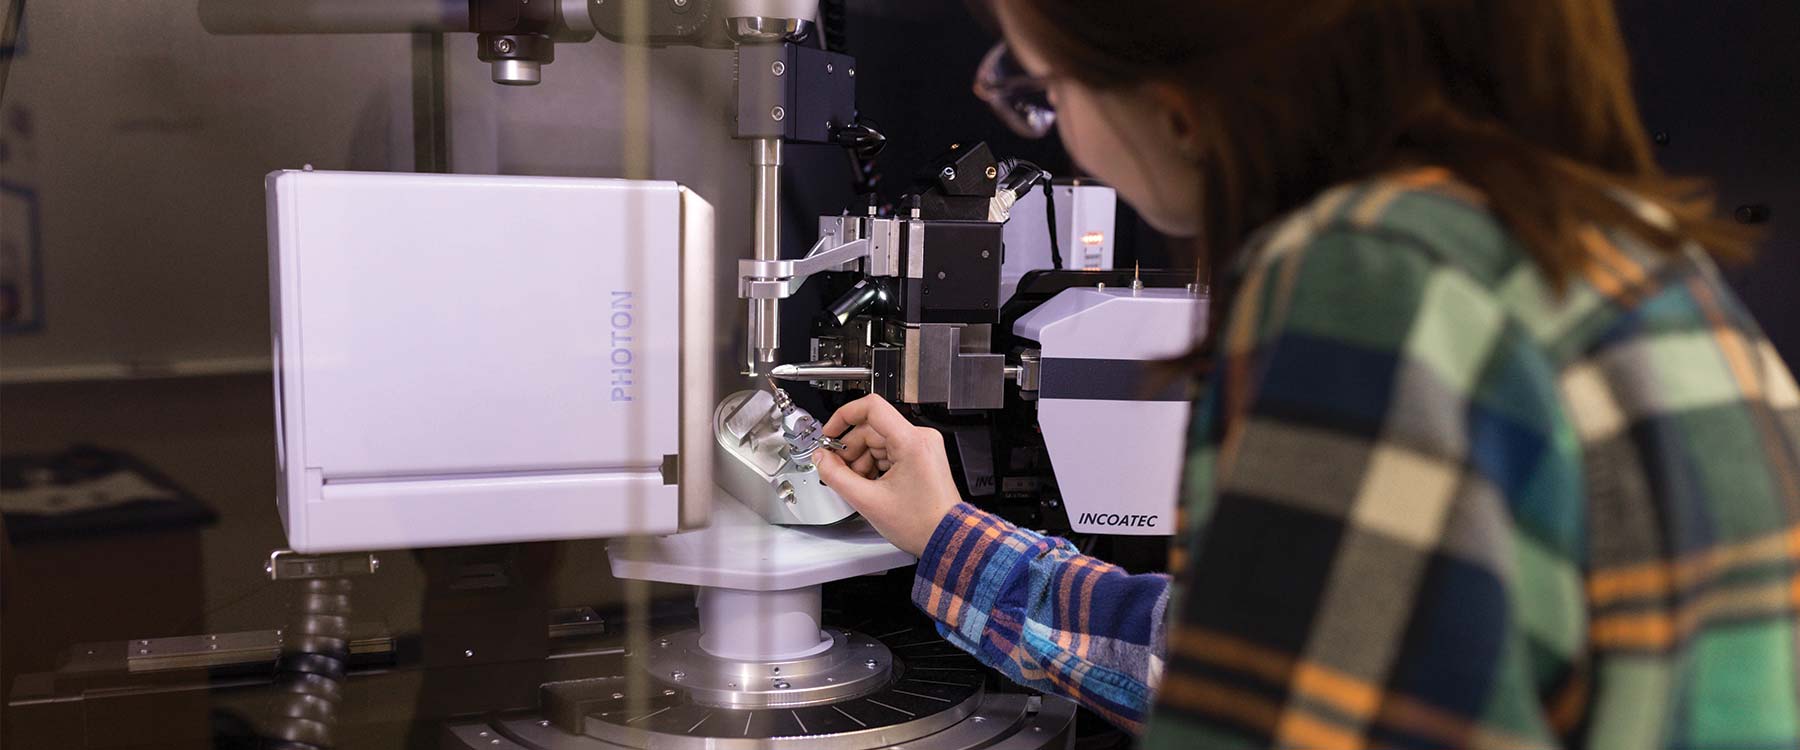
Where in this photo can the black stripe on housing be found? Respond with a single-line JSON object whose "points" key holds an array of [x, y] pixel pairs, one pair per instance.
{"points": [[1107, 380]]}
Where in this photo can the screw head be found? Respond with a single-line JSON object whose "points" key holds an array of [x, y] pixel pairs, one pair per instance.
{"points": [[949, 173], [778, 114], [677, 675], [829, 69], [503, 46], [984, 254], [662, 643], [778, 67], [852, 72], [993, 172], [617, 696], [940, 276], [871, 663], [668, 691], [468, 653], [680, 3], [781, 685]]}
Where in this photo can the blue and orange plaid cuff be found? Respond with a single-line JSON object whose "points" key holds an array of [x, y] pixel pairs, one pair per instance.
{"points": [[959, 567]]}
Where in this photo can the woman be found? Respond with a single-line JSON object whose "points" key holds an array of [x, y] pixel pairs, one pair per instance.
{"points": [[1489, 456]]}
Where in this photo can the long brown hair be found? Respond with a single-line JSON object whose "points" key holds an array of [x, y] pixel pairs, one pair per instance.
{"points": [[1527, 101]]}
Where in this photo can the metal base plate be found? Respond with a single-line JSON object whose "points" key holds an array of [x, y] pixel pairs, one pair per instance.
{"points": [[998, 721], [933, 696]]}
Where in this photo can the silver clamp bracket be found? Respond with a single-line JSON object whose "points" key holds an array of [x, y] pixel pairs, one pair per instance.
{"points": [[288, 565], [778, 279]]}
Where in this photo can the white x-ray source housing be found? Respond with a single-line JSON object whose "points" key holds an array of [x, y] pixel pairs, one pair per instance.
{"points": [[479, 359]]}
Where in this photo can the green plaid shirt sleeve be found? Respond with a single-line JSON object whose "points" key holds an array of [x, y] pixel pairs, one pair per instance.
{"points": [[1432, 502]]}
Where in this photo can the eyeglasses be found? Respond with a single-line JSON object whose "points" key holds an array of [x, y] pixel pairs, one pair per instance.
{"points": [[1019, 99]]}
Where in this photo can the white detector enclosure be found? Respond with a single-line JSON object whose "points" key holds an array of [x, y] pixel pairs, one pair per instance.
{"points": [[1115, 439], [477, 359]]}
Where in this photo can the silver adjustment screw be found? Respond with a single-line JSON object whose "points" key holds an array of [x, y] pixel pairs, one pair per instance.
{"points": [[949, 173], [782, 685], [829, 69], [778, 114], [871, 663], [677, 675], [778, 67], [503, 46], [852, 72], [681, 3]]}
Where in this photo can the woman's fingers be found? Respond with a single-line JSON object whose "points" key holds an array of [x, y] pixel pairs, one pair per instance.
{"points": [[853, 487], [862, 439], [864, 465], [871, 410]]}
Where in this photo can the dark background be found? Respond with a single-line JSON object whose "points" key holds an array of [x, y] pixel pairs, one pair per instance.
{"points": [[1719, 80]]}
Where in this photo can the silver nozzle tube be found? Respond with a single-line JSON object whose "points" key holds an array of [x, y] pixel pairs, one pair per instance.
{"points": [[333, 16], [765, 314], [820, 372]]}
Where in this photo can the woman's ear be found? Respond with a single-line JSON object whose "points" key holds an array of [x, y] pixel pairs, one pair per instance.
{"points": [[1180, 118]]}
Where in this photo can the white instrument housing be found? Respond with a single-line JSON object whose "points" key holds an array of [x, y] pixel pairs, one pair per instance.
{"points": [[478, 359], [1116, 441]]}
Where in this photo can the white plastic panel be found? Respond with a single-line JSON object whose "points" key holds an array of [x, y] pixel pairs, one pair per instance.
{"points": [[1117, 449], [471, 359], [1086, 216]]}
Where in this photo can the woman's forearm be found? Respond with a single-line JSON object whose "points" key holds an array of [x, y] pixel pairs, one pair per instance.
{"points": [[1048, 617]]}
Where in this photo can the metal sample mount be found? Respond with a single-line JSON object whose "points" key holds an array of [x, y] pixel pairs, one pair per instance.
{"points": [[765, 447]]}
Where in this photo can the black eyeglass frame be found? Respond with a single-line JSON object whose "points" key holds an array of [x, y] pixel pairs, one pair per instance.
{"points": [[1020, 99]]}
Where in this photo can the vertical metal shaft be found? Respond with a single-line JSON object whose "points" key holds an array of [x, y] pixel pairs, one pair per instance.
{"points": [[765, 314]]}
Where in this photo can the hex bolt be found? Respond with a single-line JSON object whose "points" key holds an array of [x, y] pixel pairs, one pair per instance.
{"points": [[778, 114], [778, 67], [503, 46]]}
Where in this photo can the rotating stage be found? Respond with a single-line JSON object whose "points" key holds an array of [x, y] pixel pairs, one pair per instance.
{"points": [[861, 692]]}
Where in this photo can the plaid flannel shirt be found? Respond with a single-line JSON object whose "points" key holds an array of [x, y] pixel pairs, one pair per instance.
{"points": [[1432, 502]]}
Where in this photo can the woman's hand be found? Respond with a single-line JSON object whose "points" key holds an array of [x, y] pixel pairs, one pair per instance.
{"points": [[893, 472]]}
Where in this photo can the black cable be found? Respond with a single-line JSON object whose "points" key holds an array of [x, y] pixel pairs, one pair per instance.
{"points": [[1056, 259], [9, 41], [863, 141], [309, 677], [834, 23]]}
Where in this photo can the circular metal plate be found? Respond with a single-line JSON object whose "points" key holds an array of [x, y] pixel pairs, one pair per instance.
{"points": [[850, 666], [927, 687]]}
